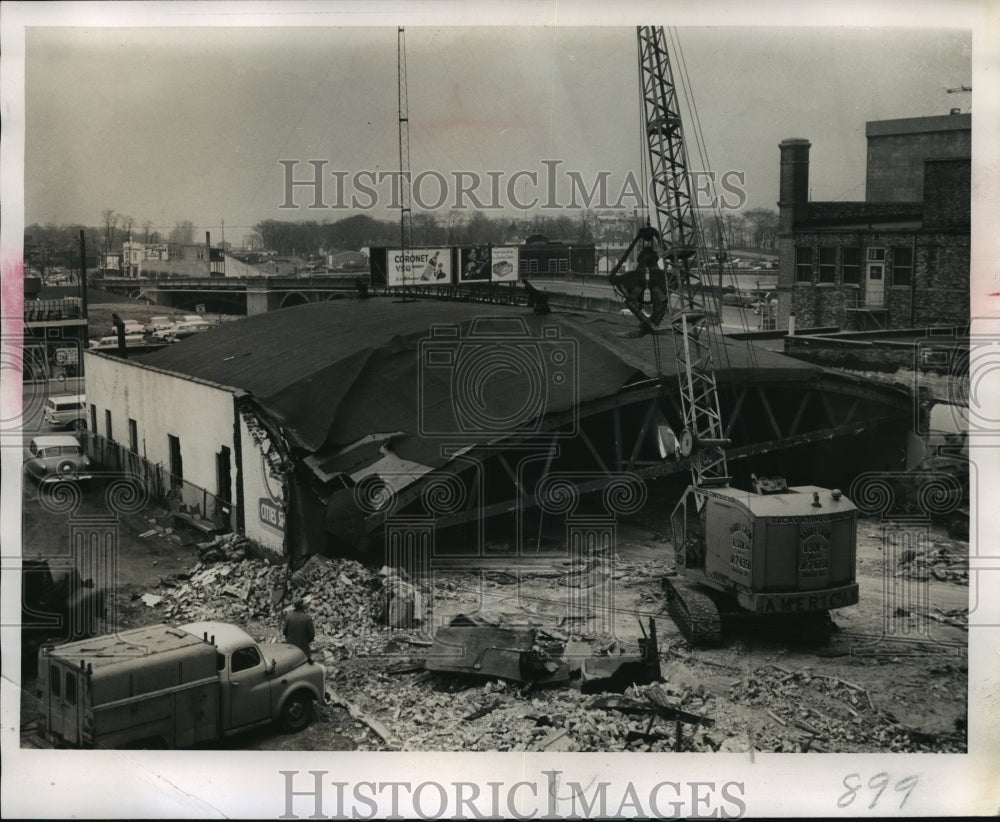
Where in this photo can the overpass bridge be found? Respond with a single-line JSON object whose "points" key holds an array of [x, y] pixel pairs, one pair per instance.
{"points": [[236, 295]]}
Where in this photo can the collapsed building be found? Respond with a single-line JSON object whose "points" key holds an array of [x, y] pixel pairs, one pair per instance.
{"points": [[353, 423]]}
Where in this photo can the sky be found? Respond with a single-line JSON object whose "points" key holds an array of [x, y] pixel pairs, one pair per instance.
{"points": [[185, 123]]}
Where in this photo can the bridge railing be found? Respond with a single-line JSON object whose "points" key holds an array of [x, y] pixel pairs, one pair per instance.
{"points": [[340, 280]]}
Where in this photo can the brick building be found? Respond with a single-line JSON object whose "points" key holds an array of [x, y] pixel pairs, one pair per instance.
{"points": [[900, 258]]}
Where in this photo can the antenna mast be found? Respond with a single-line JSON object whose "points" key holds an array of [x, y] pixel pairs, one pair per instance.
{"points": [[405, 234]]}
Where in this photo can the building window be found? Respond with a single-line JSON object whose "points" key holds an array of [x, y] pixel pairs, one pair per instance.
{"points": [[553, 264], [851, 265], [828, 265], [70, 688], [133, 437], [55, 680], [107, 425], [902, 265], [803, 264], [564, 265], [876, 255]]}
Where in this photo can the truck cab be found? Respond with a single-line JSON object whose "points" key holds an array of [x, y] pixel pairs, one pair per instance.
{"points": [[253, 678]]}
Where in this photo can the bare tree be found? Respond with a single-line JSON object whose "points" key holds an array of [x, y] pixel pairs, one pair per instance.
{"points": [[182, 233], [764, 226], [127, 227], [110, 220], [146, 226]]}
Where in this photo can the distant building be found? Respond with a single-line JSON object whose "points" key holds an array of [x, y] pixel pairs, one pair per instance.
{"points": [[540, 255], [900, 258], [189, 260]]}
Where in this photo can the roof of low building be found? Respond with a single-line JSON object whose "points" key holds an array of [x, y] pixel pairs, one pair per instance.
{"points": [[335, 372]]}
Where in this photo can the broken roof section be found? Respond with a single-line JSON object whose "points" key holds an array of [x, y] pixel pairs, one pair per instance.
{"points": [[413, 376]]}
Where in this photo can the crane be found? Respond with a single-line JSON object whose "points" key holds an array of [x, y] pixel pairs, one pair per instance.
{"points": [[773, 550]]}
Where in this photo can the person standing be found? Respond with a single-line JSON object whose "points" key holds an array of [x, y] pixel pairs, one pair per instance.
{"points": [[299, 630]]}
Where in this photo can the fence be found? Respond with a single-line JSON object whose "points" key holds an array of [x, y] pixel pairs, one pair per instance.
{"points": [[157, 485]]}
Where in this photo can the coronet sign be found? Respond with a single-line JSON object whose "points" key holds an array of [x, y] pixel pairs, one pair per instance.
{"points": [[419, 266], [271, 514]]}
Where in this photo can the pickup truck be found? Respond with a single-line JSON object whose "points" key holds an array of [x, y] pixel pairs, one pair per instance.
{"points": [[172, 687]]}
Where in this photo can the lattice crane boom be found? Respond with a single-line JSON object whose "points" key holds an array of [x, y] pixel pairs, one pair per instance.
{"points": [[703, 438]]}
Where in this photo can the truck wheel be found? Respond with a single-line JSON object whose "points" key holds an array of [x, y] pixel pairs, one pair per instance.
{"points": [[296, 713]]}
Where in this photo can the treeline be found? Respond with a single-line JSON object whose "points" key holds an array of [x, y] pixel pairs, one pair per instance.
{"points": [[58, 246], [427, 229], [752, 229]]}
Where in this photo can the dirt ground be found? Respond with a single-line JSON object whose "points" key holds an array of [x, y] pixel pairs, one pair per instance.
{"points": [[893, 676]]}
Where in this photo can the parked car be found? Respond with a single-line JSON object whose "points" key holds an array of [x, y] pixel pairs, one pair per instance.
{"points": [[56, 457], [66, 411], [180, 330], [158, 324], [131, 327], [111, 342], [162, 686]]}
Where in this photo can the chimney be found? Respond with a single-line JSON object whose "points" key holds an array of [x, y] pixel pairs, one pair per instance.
{"points": [[794, 194]]}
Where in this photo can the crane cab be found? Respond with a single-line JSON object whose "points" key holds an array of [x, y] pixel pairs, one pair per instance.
{"points": [[777, 551]]}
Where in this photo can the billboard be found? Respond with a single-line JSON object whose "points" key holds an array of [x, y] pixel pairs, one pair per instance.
{"points": [[423, 266], [474, 264], [504, 263]]}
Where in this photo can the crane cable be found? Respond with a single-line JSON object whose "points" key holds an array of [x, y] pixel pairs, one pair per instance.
{"points": [[702, 149]]}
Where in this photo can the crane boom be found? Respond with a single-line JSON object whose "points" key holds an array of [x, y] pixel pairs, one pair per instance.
{"points": [[703, 437]]}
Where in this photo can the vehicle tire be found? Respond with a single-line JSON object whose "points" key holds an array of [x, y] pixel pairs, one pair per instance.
{"points": [[296, 713], [66, 467]]}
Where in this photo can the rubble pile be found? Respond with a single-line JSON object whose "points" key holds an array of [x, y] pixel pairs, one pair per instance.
{"points": [[424, 713], [343, 595], [813, 712], [936, 562]]}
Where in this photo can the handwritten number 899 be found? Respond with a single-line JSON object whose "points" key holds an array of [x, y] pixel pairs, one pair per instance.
{"points": [[877, 783]]}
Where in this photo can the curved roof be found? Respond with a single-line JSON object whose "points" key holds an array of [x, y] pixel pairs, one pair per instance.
{"points": [[332, 373]]}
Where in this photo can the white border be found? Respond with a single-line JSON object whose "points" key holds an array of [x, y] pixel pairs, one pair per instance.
{"points": [[245, 784]]}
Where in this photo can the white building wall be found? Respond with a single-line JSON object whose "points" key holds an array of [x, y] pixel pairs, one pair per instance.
{"points": [[201, 416]]}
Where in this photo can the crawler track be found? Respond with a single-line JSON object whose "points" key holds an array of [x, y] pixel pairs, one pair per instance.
{"points": [[694, 611]]}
